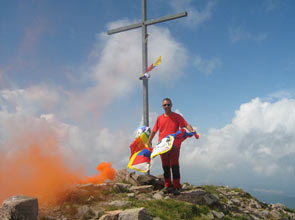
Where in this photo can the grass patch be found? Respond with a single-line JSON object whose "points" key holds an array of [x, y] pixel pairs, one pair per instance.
{"points": [[289, 210], [210, 189], [167, 209]]}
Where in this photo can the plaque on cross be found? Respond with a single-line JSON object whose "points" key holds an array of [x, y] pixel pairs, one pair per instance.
{"points": [[143, 24]]}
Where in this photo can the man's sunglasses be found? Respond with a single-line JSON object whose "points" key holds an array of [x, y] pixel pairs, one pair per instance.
{"points": [[166, 105]]}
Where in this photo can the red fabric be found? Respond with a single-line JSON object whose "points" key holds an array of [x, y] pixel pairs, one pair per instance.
{"points": [[169, 159], [168, 124], [136, 146], [150, 68]]}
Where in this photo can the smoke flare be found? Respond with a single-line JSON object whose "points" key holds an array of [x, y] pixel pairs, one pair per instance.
{"points": [[38, 169]]}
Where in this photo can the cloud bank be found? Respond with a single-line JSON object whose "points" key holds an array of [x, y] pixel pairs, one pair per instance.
{"points": [[260, 141]]}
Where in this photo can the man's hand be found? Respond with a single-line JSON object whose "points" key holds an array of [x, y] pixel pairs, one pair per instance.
{"points": [[148, 143], [190, 128]]}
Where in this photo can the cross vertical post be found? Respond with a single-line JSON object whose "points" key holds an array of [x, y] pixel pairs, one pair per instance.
{"points": [[143, 24], [144, 66]]}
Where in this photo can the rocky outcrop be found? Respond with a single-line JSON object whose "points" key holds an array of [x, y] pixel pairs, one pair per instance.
{"points": [[134, 196], [139, 180], [19, 208]]}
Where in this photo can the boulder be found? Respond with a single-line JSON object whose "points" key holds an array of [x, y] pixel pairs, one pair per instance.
{"points": [[121, 175], [157, 196], [148, 179], [111, 215], [124, 176], [122, 187], [135, 214], [218, 215], [198, 197], [20, 208]]}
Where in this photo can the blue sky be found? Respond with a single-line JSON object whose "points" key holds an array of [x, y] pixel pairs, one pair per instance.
{"points": [[228, 67]]}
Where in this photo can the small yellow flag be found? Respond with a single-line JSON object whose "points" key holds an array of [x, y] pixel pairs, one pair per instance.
{"points": [[158, 62]]}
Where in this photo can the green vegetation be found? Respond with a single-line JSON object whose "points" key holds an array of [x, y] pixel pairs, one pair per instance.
{"points": [[210, 189], [289, 210], [167, 209], [284, 215]]}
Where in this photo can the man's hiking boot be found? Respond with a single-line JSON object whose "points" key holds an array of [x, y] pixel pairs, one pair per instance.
{"points": [[167, 190]]}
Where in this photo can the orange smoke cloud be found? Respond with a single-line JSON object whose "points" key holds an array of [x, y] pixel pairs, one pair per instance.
{"points": [[105, 172], [40, 170]]}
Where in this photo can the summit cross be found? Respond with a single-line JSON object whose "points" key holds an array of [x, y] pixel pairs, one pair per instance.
{"points": [[143, 24]]}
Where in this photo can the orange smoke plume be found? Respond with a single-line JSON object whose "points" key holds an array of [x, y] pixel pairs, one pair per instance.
{"points": [[40, 170], [105, 172]]}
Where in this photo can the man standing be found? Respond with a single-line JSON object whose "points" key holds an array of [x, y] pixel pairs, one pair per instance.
{"points": [[169, 123]]}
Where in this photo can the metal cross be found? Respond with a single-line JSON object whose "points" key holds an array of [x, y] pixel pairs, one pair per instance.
{"points": [[143, 24]]}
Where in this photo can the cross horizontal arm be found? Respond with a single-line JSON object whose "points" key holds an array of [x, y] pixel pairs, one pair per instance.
{"points": [[166, 18], [148, 22], [126, 28]]}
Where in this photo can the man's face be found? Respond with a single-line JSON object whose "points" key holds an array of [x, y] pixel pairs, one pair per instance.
{"points": [[166, 105]]}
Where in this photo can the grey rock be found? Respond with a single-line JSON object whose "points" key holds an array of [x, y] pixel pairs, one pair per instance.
{"points": [[135, 214], [132, 179], [236, 202], [146, 179], [121, 175], [20, 208], [131, 195], [158, 196], [276, 214], [142, 189], [210, 199], [122, 187], [198, 197], [218, 215], [119, 203], [157, 182], [108, 217], [254, 204], [111, 215]]}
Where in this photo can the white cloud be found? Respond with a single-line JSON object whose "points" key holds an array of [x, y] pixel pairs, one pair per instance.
{"points": [[24, 119], [195, 17], [80, 147], [206, 66], [238, 34], [117, 65], [260, 137], [29, 101]]}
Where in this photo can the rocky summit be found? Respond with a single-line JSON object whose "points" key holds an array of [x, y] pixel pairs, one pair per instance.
{"points": [[131, 197]]}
